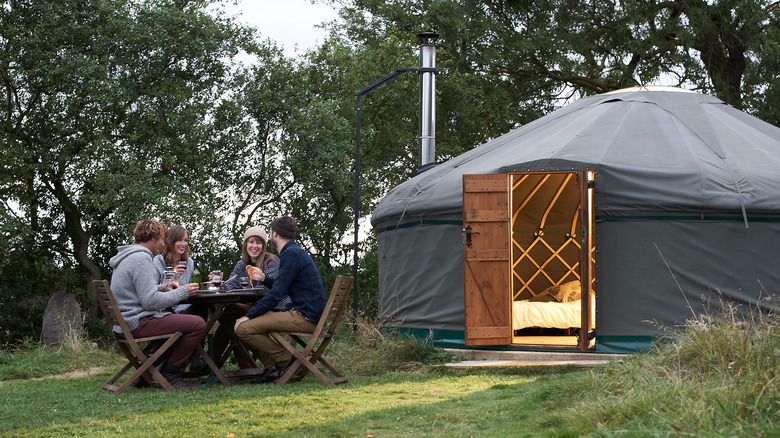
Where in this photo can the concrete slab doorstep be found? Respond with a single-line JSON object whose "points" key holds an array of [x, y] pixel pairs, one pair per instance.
{"points": [[493, 358]]}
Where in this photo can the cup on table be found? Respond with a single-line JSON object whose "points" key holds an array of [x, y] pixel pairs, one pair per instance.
{"points": [[243, 280]]}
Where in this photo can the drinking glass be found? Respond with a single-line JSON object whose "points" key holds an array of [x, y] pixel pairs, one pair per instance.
{"points": [[182, 267], [243, 280], [217, 279]]}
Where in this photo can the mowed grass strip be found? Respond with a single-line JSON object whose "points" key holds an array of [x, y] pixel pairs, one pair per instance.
{"points": [[488, 403]]}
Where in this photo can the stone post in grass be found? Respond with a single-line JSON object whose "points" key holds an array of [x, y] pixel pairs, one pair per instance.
{"points": [[61, 320]]}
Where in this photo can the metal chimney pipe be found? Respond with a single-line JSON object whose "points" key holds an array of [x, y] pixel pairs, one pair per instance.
{"points": [[427, 72]]}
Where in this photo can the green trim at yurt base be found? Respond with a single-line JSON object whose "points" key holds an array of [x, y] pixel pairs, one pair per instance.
{"points": [[623, 344], [455, 339]]}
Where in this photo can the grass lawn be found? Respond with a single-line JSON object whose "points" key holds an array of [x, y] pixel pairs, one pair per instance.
{"points": [[496, 403], [713, 378]]}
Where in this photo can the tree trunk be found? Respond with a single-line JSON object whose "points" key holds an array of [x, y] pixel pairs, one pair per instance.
{"points": [[80, 239], [723, 55], [31, 251]]}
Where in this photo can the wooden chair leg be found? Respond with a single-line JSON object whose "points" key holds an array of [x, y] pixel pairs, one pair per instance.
{"points": [[300, 360], [148, 367], [213, 366]]}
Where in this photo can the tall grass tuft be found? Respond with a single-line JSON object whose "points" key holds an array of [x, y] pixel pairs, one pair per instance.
{"points": [[716, 376], [365, 347]]}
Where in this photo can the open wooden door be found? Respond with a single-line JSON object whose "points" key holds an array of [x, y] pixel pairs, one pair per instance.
{"points": [[487, 268]]}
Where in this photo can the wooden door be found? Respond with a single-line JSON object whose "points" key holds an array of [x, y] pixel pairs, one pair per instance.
{"points": [[487, 268]]}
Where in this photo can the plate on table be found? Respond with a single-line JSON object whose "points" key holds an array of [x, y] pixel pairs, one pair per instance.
{"points": [[207, 292]]}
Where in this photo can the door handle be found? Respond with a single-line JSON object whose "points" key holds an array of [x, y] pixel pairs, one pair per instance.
{"points": [[467, 236]]}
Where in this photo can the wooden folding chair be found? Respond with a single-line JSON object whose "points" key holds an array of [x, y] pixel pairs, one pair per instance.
{"points": [[141, 359], [310, 356]]}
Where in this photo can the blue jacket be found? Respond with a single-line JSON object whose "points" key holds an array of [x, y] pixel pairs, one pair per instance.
{"points": [[299, 278]]}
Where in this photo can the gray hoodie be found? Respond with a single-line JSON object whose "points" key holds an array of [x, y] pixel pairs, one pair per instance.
{"points": [[134, 283]]}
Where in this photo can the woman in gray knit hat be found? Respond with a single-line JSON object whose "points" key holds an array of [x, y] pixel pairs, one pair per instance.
{"points": [[253, 254]]}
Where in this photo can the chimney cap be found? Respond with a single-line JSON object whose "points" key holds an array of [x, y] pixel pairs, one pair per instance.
{"points": [[425, 36]]}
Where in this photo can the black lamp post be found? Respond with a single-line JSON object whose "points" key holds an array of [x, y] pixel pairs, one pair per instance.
{"points": [[427, 70]]}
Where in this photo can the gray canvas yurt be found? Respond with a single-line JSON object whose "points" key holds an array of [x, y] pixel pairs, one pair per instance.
{"points": [[627, 213]]}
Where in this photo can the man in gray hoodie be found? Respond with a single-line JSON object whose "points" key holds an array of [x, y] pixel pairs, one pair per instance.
{"points": [[143, 302]]}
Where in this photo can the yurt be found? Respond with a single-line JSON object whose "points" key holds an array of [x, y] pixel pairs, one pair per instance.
{"points": [[627, 213]]}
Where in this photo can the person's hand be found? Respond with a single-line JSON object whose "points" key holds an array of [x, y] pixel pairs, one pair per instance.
{"points": [[180, 270], [239, 321], [258, 275], [192, 289], [171, 286], [211, 275]]}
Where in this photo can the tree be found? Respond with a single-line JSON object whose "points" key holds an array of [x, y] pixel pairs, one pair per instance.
{"points": [[106, 115], [253, 171], [291, 155], [546, 50], [470, 108]]}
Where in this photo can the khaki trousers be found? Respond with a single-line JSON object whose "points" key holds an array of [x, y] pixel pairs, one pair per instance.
{"points": [[255, 333]]}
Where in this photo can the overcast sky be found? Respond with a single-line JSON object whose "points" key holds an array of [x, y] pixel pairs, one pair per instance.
{"points": [[287, 22]]}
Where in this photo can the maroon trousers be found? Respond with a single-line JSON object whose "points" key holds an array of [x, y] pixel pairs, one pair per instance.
{"points": [[192, 327]]}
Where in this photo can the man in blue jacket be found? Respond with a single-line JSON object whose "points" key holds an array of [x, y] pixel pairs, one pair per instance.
{"points": [[299, 278]]}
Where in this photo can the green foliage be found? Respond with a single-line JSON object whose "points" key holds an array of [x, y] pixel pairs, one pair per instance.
{"points": [[108, 119], [368, 277], [381, 352], [30, 274], [470, 108], [540, 52]]}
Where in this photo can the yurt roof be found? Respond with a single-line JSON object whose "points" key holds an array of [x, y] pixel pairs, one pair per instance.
{"points": [[654, 149]]}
